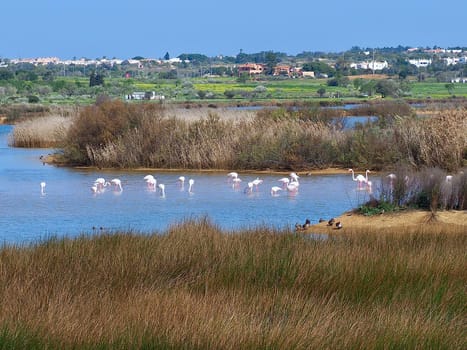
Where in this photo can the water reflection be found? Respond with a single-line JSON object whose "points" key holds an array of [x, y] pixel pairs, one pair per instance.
{"points": [[68, 205]]}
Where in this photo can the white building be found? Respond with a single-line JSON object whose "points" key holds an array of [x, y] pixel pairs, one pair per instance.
{"points": [[372, 65], [421, 62]]}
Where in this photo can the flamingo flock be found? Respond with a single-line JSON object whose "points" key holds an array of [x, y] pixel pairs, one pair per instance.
{"points": [[289, 184]]}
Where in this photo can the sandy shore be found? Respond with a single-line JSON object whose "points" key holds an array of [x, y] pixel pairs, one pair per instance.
{"points": [[403, 219]]}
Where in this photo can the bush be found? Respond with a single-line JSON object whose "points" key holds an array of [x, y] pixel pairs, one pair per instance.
{"points": [[33, 99]]}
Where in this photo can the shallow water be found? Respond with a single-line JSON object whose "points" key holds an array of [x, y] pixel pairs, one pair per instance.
{"points": [[69, 207]]}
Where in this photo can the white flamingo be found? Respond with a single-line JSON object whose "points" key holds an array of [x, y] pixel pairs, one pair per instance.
{"points": [[292, 187], [117, 183], [190, 185], [249, 188], [232, 175], [236, 182], [151, 183], [101, 183], [360, 178], [294, 177], [275, 190], [285, 181], [43, 184], [162, 188], [256, 182]]}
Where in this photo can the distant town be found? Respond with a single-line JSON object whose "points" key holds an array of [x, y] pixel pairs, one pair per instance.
{"points": [[357, 73], [356, 58]]}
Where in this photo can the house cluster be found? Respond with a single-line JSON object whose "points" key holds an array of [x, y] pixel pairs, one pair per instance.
{"points": [[148, 95], [279, 70], [43, 61], [459, 80]]}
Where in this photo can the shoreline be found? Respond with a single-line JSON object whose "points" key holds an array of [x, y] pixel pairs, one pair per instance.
{"points": [[51, 159], [400, 221]]}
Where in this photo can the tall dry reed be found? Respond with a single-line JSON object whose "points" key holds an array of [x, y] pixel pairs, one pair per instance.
{"points": [[43, 132], [195, 286]]}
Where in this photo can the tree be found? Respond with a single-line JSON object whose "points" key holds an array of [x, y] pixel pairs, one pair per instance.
{"points": [[167, 56], [321, 91], [388, 88], [270, 60], [449, 87], [96, 79]]}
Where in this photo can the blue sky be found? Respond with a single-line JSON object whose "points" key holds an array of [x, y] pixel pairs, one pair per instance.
{"points": [[124, 29]]}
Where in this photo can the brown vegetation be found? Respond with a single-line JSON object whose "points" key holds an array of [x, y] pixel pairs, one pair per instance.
{"points": [[198, 287], [115, 134]]}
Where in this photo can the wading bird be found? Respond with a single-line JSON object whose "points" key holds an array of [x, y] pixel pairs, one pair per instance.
{"points": [[361, 180], [190, 185], [43, 187], [117, 183], [275, 190]]}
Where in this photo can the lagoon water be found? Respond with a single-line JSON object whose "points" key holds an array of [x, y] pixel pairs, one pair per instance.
{"points": [[68, 207]]}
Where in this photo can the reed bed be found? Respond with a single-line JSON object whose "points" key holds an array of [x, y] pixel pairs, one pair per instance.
{"points": [[115, 134], [42, 132], [197, 287], [429, 189]]}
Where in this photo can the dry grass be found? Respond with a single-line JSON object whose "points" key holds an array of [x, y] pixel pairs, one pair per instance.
{"points": [[197, 287], [42, 132]]}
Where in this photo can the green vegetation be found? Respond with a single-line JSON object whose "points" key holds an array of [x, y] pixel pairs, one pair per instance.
{"points": [[199, 288]]}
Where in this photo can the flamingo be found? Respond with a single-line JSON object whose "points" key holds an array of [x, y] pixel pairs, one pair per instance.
{"points": [[162, 188], [285, 181], [151, 182], [257, 182], [249, 188], [294, 177], [360, 178], [236, 182], [292, 187], [181, 179], [101, 183], [275, 190], [190, 185], [94, 189], [147, 177], [43, 187], [117, 184], [232, 175]]}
